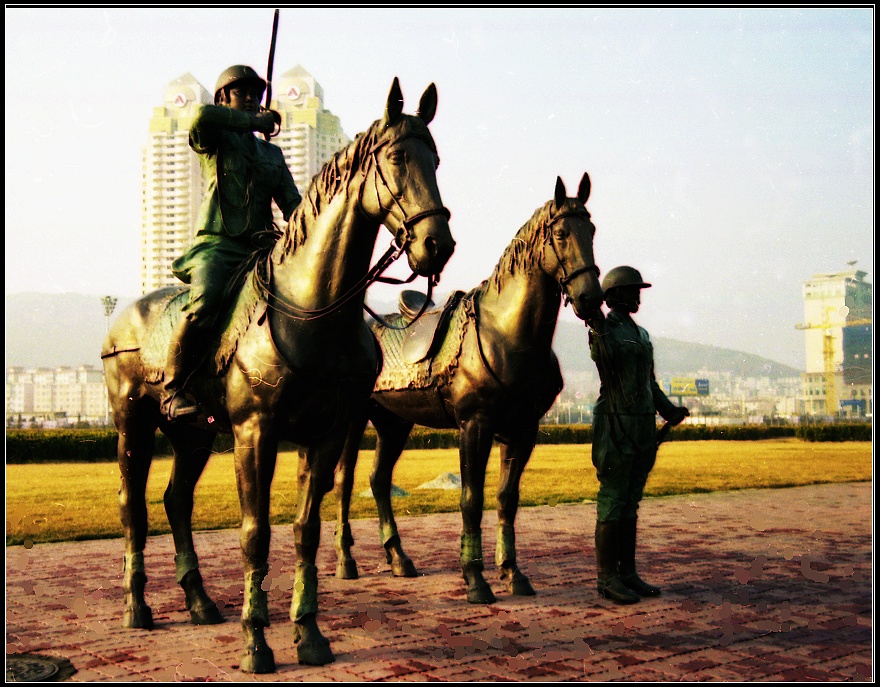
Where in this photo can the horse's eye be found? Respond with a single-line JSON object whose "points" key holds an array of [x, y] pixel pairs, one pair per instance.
{"points": [[397, 157]]}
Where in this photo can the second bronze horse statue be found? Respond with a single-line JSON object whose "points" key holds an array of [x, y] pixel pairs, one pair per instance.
{"points": [[296, 363], [490, 372]]}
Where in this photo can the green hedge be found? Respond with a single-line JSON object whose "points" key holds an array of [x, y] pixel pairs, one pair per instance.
{"points": [[99, 445]]}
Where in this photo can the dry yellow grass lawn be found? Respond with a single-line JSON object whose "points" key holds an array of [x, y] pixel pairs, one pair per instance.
{"points": [[59, 502]]}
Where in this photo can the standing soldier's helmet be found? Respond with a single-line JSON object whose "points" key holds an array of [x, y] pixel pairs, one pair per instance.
{"points": [[234, 74], [623, 276]]}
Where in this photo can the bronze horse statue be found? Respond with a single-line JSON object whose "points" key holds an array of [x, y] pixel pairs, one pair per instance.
{"points": [[489, 371], [296, 362]]}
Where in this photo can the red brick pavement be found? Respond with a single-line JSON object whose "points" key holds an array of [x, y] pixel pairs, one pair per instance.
{"points": [[759, 585]]}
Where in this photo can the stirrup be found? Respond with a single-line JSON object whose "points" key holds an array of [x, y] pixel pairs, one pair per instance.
{"points": [[178, 405]]}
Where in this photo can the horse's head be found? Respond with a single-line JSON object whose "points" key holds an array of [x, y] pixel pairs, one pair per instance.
{"points": [[403, 193], [568, 249]]}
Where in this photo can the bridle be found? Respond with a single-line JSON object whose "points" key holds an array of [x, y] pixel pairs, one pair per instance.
{"points": [[408, 224], [394, 251], [566, 277]]}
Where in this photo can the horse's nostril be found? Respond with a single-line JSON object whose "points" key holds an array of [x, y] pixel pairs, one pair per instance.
{"points": [[431, 247]]}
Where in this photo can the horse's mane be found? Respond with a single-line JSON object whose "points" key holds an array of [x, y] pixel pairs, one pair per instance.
{"points": [[334, 176], [524, 249], [337, 172]]}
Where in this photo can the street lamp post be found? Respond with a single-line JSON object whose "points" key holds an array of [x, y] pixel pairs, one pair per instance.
{"points": [[109, 303]]}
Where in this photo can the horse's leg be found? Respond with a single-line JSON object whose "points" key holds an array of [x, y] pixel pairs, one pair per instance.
{"points": [[137, 436], [346, 566], [392, 432], [514, 457], [192, 448], [475, 444], [255, 456], [316, 467]]}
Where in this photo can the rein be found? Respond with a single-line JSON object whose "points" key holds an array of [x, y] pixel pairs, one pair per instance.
{"points": [[304, 314], [472, 305], [566, 278], [374, 274], [408, 222]]}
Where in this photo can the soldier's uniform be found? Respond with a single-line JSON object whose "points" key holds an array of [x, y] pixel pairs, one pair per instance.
{"points": [[243, 175], [624, 424], [624, 436]]}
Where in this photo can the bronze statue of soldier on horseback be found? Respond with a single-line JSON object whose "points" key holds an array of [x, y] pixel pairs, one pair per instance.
{"points": [[283, 355]]}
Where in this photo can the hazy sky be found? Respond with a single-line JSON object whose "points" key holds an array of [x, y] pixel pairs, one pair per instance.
{"points": [[731, 150]]}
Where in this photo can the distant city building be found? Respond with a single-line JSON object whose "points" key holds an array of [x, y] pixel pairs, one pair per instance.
{"points": [[172, 183], [60, 396], [838, 336]]}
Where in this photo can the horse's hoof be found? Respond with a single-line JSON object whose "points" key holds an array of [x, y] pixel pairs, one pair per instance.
{"points": [[315, 653], [138, 618], [258, 659], [520, 586], [347, 569], [480, 594], [404, 567], [312, 648], [206, 615]]}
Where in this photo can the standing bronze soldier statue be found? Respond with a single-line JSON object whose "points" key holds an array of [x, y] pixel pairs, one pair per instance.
{"points": [[244, 174], [624, 433]]}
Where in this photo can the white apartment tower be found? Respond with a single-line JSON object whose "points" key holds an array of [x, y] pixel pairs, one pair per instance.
{"points": [[838, 334], [172, 183]]}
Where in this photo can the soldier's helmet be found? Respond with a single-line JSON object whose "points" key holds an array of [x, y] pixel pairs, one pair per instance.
{"points": [[234, 74], [623, 276]]}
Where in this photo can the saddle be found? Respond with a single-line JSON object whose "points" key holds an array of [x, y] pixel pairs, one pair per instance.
{"points": [[248, 306], [424, 336]]}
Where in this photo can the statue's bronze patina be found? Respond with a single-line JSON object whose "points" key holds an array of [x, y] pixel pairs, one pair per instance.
{"points": [[296, 362], [490, 372]]}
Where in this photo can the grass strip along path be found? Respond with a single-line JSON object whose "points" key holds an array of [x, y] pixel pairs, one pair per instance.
{"points": [[69, 502]]}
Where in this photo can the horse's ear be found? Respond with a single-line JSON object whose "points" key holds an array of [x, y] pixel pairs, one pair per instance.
{"points": [[559, 198], [584, 188], [428, 104], [394, 106]]}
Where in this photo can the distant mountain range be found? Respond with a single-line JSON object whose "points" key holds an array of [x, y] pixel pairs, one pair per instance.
{"points": [[55, 330]]}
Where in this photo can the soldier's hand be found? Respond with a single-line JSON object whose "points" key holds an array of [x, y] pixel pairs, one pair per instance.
{"points": [[267, 120], [681, 414], [596, 321]]}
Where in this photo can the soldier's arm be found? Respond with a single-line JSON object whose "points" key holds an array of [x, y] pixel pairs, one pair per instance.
{"points": [[667, 409], [211, 120]]}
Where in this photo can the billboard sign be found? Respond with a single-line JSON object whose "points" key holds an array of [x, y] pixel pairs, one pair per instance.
{"points": [[688, 386]]}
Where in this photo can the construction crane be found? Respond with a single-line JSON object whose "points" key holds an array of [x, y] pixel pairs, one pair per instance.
{"points": [[831, 402]]}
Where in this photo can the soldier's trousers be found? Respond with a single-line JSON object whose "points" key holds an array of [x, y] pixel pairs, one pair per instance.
{"points": [[624, 451]]}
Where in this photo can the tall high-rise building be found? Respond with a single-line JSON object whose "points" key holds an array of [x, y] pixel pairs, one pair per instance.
{"points": [[838, 334], [310, 135], [172, 183]]}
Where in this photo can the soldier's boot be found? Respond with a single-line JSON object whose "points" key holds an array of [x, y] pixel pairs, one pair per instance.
{"points": [[185, 352], [627, 565], [608, 582]]}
